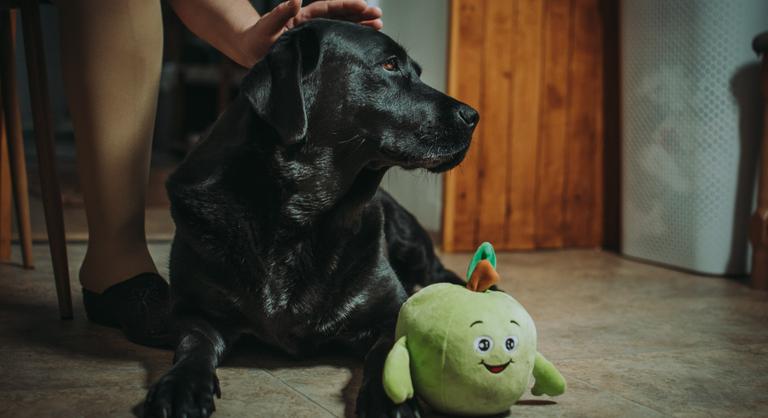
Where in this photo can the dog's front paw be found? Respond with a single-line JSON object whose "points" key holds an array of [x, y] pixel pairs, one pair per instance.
{"points": [[183, 392], [372, 402]]}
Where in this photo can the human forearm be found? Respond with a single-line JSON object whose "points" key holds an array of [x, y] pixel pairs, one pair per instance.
{"points": [[222, 23], [236, 29]]}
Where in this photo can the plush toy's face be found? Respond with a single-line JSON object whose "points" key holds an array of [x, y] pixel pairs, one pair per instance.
{"points": [[492, 335], [471, 352]]}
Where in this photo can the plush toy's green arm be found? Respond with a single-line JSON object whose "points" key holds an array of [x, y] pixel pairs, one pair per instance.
{"points": [[397, 373], [548, 380]]}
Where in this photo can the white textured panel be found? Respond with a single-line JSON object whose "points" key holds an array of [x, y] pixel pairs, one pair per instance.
{"points": [[689, 136], [422, 28]]}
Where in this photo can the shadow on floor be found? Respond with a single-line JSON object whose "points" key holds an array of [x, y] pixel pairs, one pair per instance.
{"points": [[38, 327], [249, 353]]}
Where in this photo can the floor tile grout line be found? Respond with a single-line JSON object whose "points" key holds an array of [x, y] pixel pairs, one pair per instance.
{"points": [[614, 394], [305, 396], [44, 390], [736, 348]]}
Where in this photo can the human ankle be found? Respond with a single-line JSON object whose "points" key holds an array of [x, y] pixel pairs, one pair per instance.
{"points": [[100, 270]]}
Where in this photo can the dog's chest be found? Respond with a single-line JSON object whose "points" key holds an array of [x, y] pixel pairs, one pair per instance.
{"points": [[315, 307]]}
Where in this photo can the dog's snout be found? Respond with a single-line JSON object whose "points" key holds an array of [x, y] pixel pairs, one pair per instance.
{"points": [[468, 115]]}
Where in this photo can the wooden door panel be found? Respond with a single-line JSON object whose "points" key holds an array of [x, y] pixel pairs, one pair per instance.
{"points": [[584, 193], [533, 177], [465, 72], [492, 182], [523, 151], [550, 162]]}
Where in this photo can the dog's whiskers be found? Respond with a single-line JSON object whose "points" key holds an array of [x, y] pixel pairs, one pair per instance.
{"points": [[354, 137], [359, 144]]}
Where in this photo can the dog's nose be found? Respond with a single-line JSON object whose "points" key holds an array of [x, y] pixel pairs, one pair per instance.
{"points": [[468, 115]]}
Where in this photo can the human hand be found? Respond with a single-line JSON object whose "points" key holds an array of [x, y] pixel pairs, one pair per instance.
{"points": [[356, 11], [260, 37]]}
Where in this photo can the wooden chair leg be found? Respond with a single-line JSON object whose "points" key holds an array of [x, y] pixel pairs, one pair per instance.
{"points": [[5, 195], [224, 89], [15, 138], [41, 115], [759, 222]]}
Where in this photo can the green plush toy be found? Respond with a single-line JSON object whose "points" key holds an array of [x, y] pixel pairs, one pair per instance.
{"points": [[468, 351]]}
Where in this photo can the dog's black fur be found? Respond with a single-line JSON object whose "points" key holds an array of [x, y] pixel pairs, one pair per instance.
{"points": [[282, 231]]}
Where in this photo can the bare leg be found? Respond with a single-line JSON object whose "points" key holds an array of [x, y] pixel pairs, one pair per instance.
{"points": [[112, 57]]}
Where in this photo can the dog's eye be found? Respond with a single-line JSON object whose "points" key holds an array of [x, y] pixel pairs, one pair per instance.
{"points": [[391, 64]]}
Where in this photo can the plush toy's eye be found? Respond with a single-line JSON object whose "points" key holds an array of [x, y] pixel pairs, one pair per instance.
{"points": [[510, 343], [483, 344], [391, 64]]}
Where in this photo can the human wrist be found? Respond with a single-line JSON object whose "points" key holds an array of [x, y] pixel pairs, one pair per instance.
{"points": [[245, 53]]}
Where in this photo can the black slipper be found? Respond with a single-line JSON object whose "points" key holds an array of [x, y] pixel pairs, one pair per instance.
{"points": [[139, 306]]}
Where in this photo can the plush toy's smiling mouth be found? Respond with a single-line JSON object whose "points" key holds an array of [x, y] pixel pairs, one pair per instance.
{"points": [[496, 368]]}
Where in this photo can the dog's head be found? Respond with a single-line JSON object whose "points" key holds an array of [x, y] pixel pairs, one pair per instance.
{"points": [[354, 90]]}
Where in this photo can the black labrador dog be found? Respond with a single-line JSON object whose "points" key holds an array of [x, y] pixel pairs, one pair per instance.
{"points": [[282, 231]]}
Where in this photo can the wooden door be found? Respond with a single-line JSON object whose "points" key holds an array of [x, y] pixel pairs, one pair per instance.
{"points": [[534, 175]]}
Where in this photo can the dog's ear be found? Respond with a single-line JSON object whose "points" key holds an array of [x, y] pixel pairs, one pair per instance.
{"points": [[275, 85]]}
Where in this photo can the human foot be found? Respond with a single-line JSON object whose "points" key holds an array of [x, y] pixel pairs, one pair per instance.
{"points": [[138, 306]]}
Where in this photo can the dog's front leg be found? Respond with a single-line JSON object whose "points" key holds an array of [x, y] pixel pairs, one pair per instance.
{"points": [[187, 389], [372, 401]]}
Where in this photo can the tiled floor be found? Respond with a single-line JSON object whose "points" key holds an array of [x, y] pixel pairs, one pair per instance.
{"points": [[632, 340]]}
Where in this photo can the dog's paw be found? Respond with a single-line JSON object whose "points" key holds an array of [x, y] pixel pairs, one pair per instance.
{"points": [[372, 402], [407, 409], [183, 393]]}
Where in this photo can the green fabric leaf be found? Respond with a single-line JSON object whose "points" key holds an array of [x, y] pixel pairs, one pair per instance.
{"points": [[484, 252]]}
